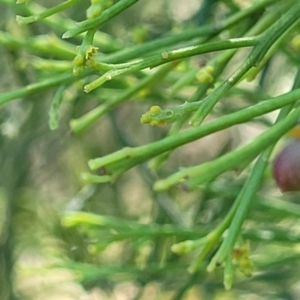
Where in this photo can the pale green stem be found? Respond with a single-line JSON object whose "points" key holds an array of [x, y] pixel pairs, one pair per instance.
{"points": [[49, 12]]}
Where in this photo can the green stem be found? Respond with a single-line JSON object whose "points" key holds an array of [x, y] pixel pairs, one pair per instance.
{"points": [[250, 188], [48, 44], [60, 23], [228, 273], [126, 229], [194, 176], [49, 12], [281, 206], [168, 56], [97, 22], [265, 41], [187, 35], [91, 117], [40, 86], [122, 160], [244, 199]]}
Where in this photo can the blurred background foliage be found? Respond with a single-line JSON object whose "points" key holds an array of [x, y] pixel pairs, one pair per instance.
{"points": [[63, 239]]}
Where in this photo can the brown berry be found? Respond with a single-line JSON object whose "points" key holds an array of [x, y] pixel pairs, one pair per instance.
{"points": [[286, 168]]}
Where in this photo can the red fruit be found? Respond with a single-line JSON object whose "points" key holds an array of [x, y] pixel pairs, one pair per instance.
{"points": [[286, 168]]}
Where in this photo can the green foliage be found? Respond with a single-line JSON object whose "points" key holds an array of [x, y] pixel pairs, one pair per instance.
{"points": [[94, 68]]}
